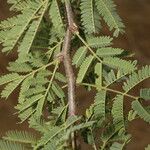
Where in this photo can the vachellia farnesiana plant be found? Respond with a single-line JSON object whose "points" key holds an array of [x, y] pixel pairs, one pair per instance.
{"points": [[53, 34]]}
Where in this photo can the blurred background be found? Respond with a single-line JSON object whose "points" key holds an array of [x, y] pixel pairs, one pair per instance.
{"points": [[136, 16]]}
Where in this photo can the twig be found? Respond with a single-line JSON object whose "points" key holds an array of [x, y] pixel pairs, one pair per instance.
{"points": [[69, 73], [68, 65]]}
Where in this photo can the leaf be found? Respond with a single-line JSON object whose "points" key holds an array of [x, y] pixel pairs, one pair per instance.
{"points": [[57, 90], [38, 124], [79, 56], [29, 37], [25, 114], [98, 42], [6, 145], [49, 136], [71, 120], [20, 136], [19, 67], [145, 93], [89, 17], [131, 115], [24, 88], [138, 108], [99, 104], [9, 78], [29, 102], [83, 69], [107, 9], [11, 36], [118, 111], [108, 51], [98, 72], [110, 78], [60, 77], [18, 5], [121, 64], [117, 146], [136, 78], [10, 87], [56, 17], [39, 107]]}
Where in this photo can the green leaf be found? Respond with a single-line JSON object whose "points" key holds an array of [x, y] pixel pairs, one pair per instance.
{"points": [[118, 111], [89, 17], [10, 37], [9, 78], [6, 145], [136, 78], [145, 93], [84, 67], [138, 108], [29, 37], [79, 56], [108, 51], [38, 124], [19, 67], [56, 17], [98, 42], [29, 102], [131, 115], [117, 146], [25, 114], [99, 107], [107, 9], [20, 136], [121, 64], [10, 87], [98, 72], [110, 78], [60, 77], [24, 88], [57, 90]]}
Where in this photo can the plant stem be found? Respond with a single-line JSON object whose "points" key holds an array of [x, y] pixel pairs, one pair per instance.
{"points": [[88, 47], [111, 90], [94, 144], [68, 65]]}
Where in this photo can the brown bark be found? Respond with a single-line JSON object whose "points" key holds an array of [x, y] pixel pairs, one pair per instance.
{"points": [[68, 65]]}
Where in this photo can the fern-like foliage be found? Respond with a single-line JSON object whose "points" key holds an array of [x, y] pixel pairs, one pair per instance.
{"points": [[20, 136], [58, 134], [108, 51], [97, 111], [90, 17], [79, 56], [107, 10], [84, 67], [145, 93], [141, 111], [136, 78], [6, 145], [98, 42], [120, 64], [56, 17], [117, 146], [17, 26], [117, 111]]}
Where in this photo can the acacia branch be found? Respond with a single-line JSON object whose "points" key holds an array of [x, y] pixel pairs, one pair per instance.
{"points": [[67, 60], [71, 81]]}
